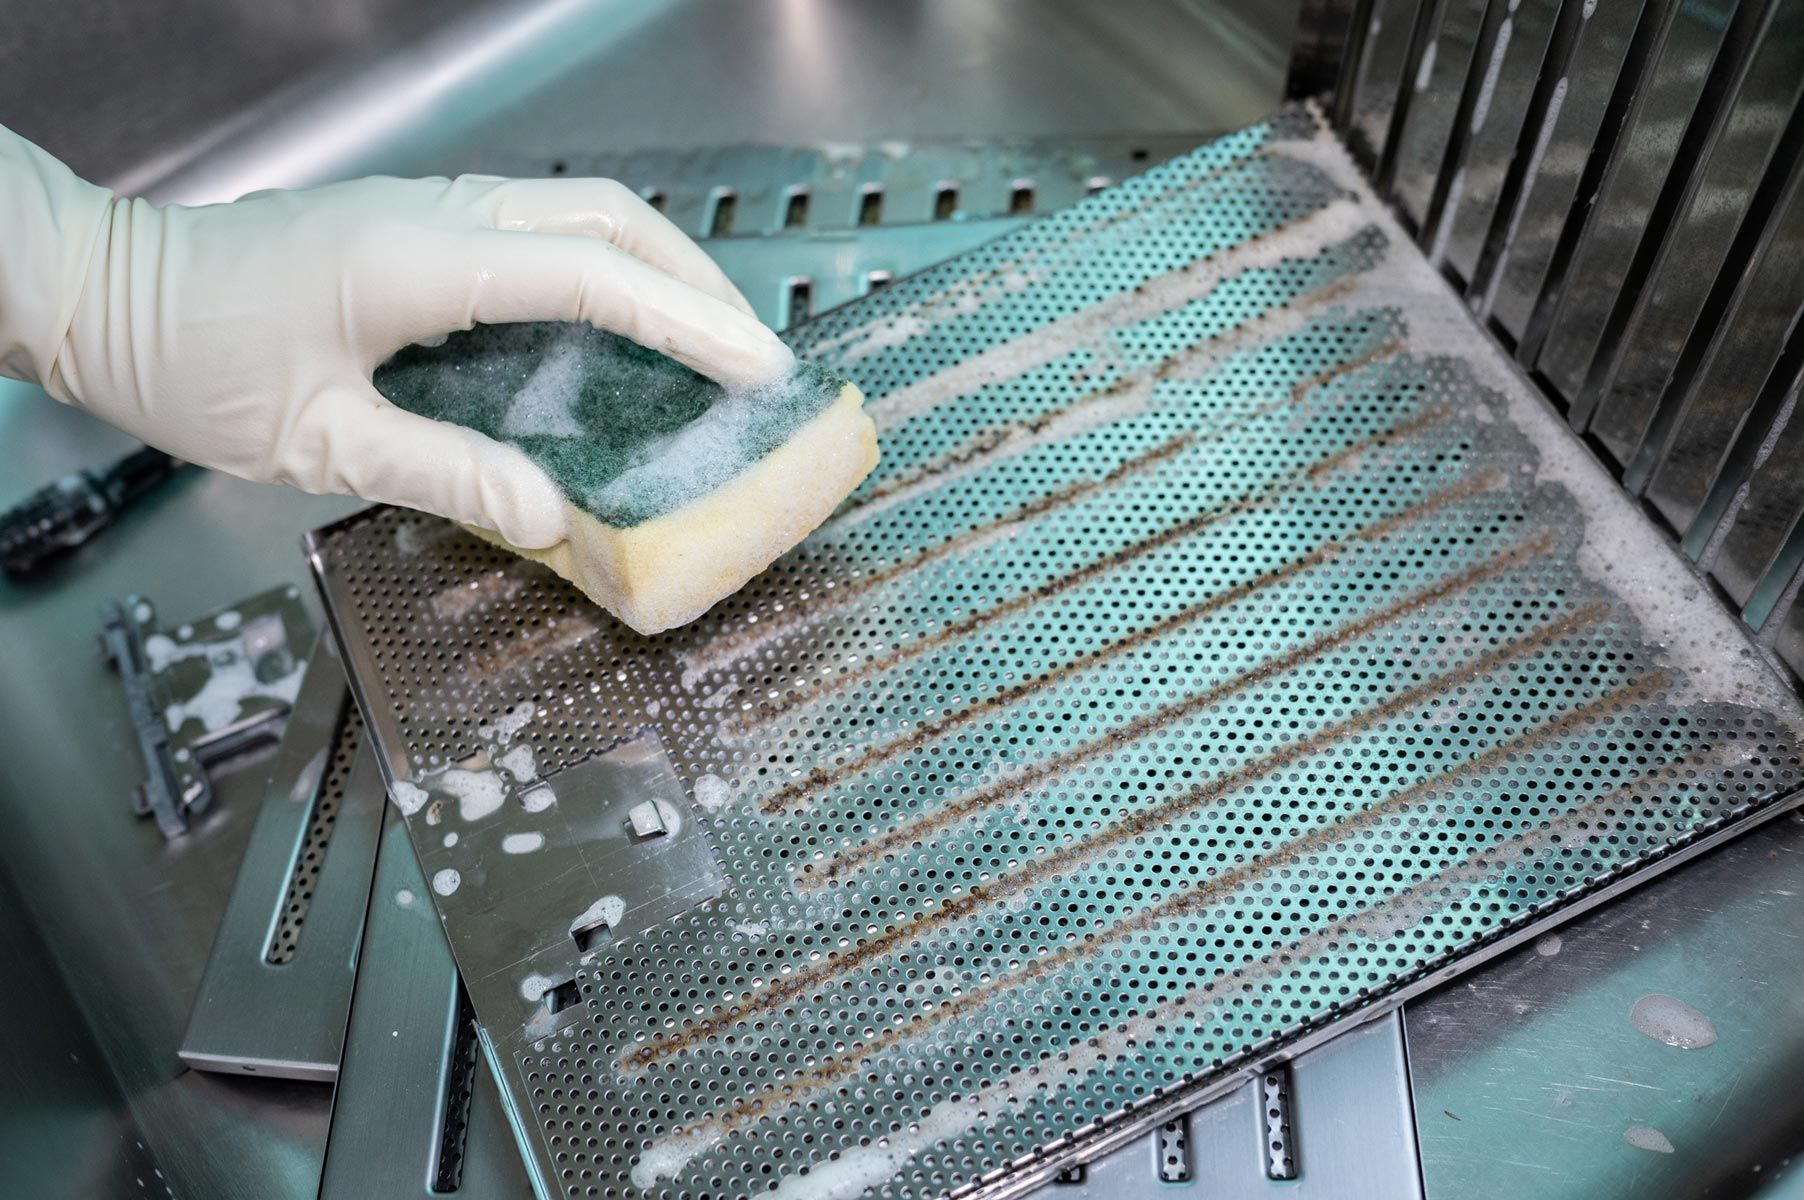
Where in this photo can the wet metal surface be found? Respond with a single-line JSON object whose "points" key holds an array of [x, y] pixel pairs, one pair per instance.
{"points": [[279, 975], [1649, 1049], [1229, 642]]}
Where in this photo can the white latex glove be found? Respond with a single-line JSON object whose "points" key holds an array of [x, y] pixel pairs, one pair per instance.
{"points": [[242, 336]]}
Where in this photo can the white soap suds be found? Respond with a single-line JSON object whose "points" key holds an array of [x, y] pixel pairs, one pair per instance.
{"points": [[522, 843], [692, 460], [478, 793], [446, 881], [751, 929], [546, 405], [231, 681], [450, 840], [229, 620], [505, 727], [712, 793], [1672, 1021], [141, 612], [534, 987], [409, 798], [404, 898], [538, 799], [1549, 946], [606, 911], [519, 763], [1646, 1137]]}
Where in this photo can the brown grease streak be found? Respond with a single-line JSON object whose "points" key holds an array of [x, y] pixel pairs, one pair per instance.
{"points": [[1026, 780], [807, 694], [1195, 900], [783, 991], [821, 778]]}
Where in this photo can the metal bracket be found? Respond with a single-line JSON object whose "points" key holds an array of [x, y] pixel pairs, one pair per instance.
{"points": [[278, 982], [203, 692], [416, 1112], [535, 878]]}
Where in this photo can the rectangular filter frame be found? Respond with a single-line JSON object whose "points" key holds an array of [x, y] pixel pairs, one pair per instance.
{"points": [[1229, 645]]}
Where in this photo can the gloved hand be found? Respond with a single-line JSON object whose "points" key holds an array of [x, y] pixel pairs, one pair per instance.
{"points": [[242, 336]]}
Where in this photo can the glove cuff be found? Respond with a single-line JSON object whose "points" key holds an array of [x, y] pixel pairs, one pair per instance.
{"points": [[53, 221]]}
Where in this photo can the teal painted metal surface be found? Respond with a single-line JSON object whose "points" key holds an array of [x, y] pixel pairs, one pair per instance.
{"points": [[1229, 643]]}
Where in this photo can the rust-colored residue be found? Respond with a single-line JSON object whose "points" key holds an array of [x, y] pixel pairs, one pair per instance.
{"points": [[1341, 370], [1196, 899], [778, 707], [1021, 782], [549, 640], [793, 794], [730, 647], [779, 993], [735, 645]]}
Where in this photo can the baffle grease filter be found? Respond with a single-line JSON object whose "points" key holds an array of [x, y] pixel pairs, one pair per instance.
{"points": [[1228, 643]]}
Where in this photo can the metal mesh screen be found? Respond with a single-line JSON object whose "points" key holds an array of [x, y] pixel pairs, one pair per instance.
{"points": [[1228, 642]]}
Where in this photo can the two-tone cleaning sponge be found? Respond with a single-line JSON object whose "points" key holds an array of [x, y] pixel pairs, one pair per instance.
{"points": [[679, 490]]}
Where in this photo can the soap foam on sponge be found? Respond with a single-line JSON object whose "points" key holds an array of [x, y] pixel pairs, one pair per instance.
{"points": [[679, 490]]}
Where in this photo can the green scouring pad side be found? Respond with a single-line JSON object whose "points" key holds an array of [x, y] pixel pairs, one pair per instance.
{"points": [[627, 433]]}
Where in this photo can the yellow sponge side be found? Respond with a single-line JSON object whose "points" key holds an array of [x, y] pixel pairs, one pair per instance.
{"points": [[671, 569]]}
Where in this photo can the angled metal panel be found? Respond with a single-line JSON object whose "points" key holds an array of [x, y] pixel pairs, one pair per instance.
{"points": [[1711, 428], [1075, 769], [1489, 175], [1563, 154], [1379, 81], [1445, 87], [1732, 397], [278, 981], [1614, 222], [1765, 518], [1683, 270], [411, 1116]]}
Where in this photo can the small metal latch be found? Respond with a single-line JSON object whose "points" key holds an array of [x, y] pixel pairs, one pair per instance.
{"points": [[203, 692], [644, 821]]}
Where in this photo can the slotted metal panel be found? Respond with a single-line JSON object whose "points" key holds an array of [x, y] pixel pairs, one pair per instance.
{"points": [[1617, 198], [1230, 642]]}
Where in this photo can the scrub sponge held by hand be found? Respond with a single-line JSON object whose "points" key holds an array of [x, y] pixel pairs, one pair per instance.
{"points": [[678, 490]]}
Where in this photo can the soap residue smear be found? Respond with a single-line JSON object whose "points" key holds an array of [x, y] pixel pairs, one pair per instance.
{"points": [[519, 763], [408, 797], [711, 793], [607, 911], [1646, 1137], [1669, 1019], [508, 725], [478, 793]]}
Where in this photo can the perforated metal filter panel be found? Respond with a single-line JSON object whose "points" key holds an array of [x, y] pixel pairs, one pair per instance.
{"points": [[1229, 643]]}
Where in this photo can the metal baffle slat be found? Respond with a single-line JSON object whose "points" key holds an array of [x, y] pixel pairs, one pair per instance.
{"points": [[1378, 81], [396, 1108], [1616, 219], [278, 980], [1729, 402], [1510, 109], [1441, 90], [1579, 131], [1230, 642], [1753, 89]]}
